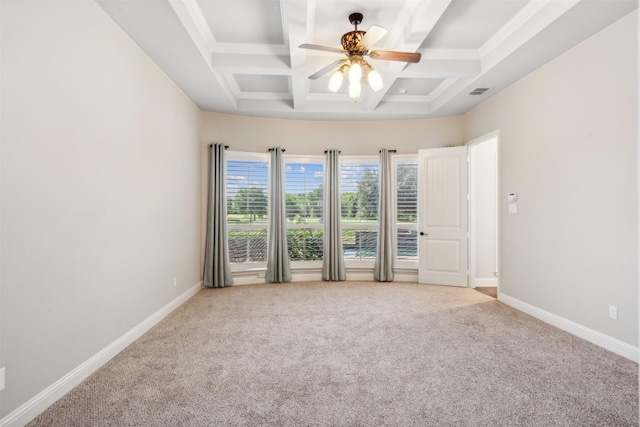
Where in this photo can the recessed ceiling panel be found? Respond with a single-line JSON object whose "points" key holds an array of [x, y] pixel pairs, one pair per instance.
{"points": [[468, 24], [244, 21], [262, 84], [414, 87], [319, 86]]}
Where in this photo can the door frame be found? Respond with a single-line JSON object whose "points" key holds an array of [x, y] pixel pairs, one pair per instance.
{"points": [[472, 258]]}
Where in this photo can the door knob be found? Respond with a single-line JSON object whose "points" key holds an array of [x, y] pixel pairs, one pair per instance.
{"points": [[422, 233]]}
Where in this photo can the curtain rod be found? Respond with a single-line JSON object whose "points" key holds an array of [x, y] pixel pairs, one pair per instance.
{"points": [[390, 151], [326, 151], [272, 149], [226, 146]]}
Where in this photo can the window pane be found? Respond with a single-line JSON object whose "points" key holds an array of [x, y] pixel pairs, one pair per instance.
{"points": [[303, 199], [303, 188], [359, 191], [247, 184], [359, 243], [248, 245], [247, 202], [305, 244], [407, 211], [407, 240], [359, 197]]}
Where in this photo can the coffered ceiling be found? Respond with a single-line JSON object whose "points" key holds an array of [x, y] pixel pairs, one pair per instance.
{"points": [[243, 56]]}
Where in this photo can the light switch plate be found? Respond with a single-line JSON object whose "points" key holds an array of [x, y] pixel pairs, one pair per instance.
{"points": [[513, 208]]}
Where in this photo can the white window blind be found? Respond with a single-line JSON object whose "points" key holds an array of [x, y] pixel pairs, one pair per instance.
{"points": [[247, 209], [359, 192], [303, 193], [406, 210]]}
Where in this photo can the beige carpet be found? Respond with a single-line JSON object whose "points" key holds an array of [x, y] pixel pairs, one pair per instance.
{"points": [[353, 354], [492, 291]]}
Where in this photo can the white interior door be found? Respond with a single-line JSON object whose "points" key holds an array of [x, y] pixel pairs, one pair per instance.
{"points": [[442, 221]]}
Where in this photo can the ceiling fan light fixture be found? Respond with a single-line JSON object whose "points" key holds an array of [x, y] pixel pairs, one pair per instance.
{"points": [[375, 80], [336, 80], [355, 72]]}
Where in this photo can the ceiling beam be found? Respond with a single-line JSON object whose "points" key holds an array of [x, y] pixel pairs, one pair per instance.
{"points": [[533, 19], [413, 25], [251, 64], [193, 20], [297, 23]]}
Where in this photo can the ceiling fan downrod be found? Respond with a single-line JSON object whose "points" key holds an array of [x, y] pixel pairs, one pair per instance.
{"points": [[355, 19]]}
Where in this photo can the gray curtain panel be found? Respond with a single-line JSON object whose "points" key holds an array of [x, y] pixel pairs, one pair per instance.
{"points": [[383, 270], [333, 260], [278, 267], [217, 268]]}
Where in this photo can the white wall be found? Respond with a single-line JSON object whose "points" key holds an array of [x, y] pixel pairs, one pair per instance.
{"points": [[100, 190], [568, 136]]}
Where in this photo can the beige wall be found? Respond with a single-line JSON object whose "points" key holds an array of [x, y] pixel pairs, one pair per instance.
{"points": [[100, 190], [568, 135], [254, 134]]}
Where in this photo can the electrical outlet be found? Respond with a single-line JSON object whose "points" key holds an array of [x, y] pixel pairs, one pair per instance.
{"points": [[613, 312], [175, 281], [261, 275]]}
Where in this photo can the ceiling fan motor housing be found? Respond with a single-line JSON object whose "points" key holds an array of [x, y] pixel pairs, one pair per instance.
{"points": [[351, 42]]}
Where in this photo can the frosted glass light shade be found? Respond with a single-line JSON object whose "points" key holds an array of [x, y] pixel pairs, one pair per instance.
{"points": [[355, 73], [375, 80], [336, 81], [355, 89]]}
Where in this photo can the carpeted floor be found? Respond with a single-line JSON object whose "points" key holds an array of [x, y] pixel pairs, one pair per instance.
{"points": [[353, 354], [492, 291]]}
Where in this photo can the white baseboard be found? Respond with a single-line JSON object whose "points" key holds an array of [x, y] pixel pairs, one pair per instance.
{"points": [[485, 282], [315, 275], [612, 344], [36, 405]]}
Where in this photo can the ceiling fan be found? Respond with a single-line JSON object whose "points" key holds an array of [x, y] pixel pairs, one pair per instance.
{"points": [[355, 45]]}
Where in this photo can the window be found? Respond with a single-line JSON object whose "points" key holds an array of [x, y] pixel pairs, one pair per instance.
{"points": [[247, 207], [303, 198], [406, 214], [248, 210], [359, 191]]}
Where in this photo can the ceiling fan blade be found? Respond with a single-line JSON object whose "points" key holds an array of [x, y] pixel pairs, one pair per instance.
{"points": [[373, 36], [388, 55], [323, 48], [326, 69]]}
